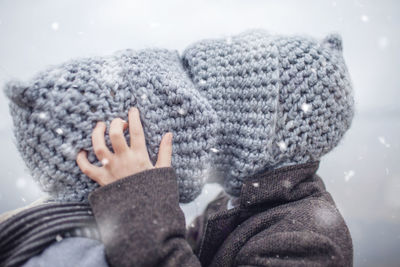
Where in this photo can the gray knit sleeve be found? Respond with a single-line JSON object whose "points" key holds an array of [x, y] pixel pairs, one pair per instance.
{"points": [[74, 251]]}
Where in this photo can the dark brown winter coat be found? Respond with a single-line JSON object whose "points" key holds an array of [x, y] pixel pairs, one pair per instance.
{"points": [[285, 217]]}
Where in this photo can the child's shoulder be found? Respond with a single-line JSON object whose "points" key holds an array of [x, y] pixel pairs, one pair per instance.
{"points": [[28, 231], [8, 214]]}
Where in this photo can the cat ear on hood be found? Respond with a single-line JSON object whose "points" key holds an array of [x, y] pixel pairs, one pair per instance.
{"points": [[19, 93], [333, 41]]}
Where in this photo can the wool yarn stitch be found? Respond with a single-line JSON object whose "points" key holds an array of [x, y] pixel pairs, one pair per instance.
{"points": [[280, 100], [237, 106], [54, 115]]}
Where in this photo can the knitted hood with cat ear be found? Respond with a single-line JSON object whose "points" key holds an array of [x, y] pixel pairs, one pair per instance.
{"points": [[54, 115], [281, 100]]}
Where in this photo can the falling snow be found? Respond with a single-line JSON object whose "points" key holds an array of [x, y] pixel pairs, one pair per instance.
{"points": [[59, 131], [229, 40], [289, 125], [306, 107], [282, 146], [59, 238], [182, 111], [348, 175], [55, 26], [214, 150], [202, 82], [286, 183], [382, 140], [364, 18], [105, 162], [42, 115], [256, 184], [143, 97]]}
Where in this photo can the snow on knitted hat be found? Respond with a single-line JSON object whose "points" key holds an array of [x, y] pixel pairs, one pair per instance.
{"points": [[54, 115], [281, 100]]}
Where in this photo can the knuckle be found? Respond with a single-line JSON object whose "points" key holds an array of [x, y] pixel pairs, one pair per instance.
{"points": [[85, 170], [99, 151], [114, 134]]}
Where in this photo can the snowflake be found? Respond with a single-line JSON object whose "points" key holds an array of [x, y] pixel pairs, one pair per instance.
{"points": [[43, 116], [214, 150], [364, 18], [383, 141], [59, 131], [306, 107], [286, 183], [105, 162], [55, 26], [182, 111], [348, 175], [282, 145], [59, 238]]}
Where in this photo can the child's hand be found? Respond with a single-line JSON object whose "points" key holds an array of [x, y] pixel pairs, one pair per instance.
{"points": [[126, 160]]}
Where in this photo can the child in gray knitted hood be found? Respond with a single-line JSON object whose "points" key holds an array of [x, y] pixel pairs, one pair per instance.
{"points": [[254, 112]]}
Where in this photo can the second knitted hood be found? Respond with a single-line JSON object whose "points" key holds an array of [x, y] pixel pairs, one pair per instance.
{"points": [[280, 100]]}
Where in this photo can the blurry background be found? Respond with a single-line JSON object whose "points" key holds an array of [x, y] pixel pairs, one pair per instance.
{"points": [[362, 173]]}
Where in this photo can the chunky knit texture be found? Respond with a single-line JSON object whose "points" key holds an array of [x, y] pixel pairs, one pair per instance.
{"points": [[281, 100], [236, 106], [54, 115]]}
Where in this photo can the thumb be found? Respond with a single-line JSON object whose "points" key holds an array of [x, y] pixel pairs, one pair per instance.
{"points": [[165, 151]]}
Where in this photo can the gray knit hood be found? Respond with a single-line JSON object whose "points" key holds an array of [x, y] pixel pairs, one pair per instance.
{"points": [[54, 115], [236, 106], [280, 100]]}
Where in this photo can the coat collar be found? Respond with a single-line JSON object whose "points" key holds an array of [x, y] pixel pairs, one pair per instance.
{"points": [[282, 185], [262, 190]]}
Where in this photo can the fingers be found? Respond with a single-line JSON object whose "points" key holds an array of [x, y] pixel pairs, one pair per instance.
{"points": [[165, 151], [99, 145], [92, 171], [136, 131], [116, 133]]}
